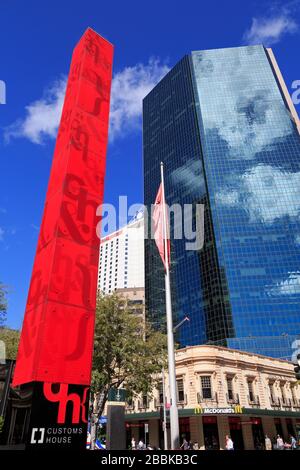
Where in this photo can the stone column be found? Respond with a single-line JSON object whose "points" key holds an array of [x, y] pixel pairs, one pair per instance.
{"points": [[223, 428], [269, 426], [196, 429], [247, 433]]}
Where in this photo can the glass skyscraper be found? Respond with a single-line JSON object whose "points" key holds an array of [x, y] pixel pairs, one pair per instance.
{"points": [[224, 126]]}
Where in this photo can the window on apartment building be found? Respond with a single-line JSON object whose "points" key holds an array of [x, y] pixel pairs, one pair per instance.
{"points": [[129, 400], [294, 394], [229, 381], [282, 389], [180, 390], [161, 394], [271, 389], [206, 386], [250, 389], [145, 401]]}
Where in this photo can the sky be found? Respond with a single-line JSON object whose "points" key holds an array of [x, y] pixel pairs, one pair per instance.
{"points": [[36, 43]]}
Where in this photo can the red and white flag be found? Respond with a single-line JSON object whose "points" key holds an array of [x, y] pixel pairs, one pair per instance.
{"points": [[158, 224]]}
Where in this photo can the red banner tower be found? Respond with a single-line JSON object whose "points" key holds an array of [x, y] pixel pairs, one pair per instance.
{"points": [[57, 336]]}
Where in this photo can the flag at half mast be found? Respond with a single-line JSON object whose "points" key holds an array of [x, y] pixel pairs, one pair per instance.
{"points": [[160, 226]]}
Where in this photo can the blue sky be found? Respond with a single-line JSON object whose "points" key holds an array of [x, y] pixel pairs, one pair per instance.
{"points": [[36, 42]]}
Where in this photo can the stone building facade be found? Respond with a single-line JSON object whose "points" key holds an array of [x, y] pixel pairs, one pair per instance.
{"points": [[223, 391]]}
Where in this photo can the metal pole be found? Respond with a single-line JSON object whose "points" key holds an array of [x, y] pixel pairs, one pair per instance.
{"points": [[165, 412], [174, 424]]}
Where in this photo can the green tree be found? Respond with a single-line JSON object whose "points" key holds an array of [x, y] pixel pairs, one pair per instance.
{"points": [[3, 304], [11, 341], [128, 353]]}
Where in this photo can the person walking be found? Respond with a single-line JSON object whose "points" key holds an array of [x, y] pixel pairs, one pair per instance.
{"points": [[228, 443], [268, 443], [293, 443], [133, 444], [141, 445], [280, 443], [184, 445]]}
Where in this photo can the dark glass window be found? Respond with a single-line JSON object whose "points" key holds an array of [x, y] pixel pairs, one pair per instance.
{"points": [[206, 386], [250, 390], [230, 387], [180, 390]]}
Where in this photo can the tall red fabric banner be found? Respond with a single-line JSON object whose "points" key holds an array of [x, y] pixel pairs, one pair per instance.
{"points": [[158, 224], [57, 336]]}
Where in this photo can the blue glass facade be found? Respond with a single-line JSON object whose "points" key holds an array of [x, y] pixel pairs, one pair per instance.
{"points": [[220, 123]]}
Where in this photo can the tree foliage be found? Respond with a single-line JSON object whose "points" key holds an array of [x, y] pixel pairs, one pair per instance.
{"points": [[3, 304], [127, 352], [11, 340]]}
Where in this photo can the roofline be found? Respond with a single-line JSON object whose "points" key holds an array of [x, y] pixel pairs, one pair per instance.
{"points": [[117, 232], [223, 348]]}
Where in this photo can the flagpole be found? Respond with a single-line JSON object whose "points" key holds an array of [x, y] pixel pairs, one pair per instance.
{"points": [[174, 424], [165, 411]]}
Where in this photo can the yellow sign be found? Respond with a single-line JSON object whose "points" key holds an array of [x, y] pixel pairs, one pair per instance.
{"points": [[237, 409]]}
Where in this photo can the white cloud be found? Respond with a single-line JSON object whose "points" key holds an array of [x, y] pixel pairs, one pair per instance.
{"points": [[190, 177], [42, 116], [270, 29], [253, 115], [228, 198], [271, 193], [129, 87], [266, 193], [1, 234], [289, 286]]}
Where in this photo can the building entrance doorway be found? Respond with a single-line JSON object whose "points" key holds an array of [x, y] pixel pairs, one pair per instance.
{"points": [[211, 433], [278, 426], [236, 432], [258, 434]]}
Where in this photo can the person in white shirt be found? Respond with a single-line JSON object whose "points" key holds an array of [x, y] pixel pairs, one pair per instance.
{"points": [[141, 445], [228, 443], [280, 444]]}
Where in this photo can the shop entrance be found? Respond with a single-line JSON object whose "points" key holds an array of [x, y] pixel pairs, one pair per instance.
{"points": [[278, 426], [211, 433], [184, 429], [258, 434], [236, 432], [290, 427]]}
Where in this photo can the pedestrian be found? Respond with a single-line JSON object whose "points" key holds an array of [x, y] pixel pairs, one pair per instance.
{"points": [[185, 444], [293, 443], [228, 443], [268, 443], [280, 444], [133, 444], [195, 446], [141, 445]]}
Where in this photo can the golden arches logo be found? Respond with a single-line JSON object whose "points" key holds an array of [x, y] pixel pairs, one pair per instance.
{"points": [[238, 409], [198, 410]]}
